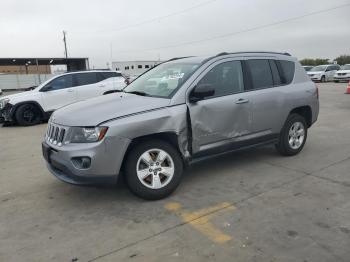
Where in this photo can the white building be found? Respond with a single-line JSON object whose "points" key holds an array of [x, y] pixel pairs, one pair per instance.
{"points": [[133, 68]]}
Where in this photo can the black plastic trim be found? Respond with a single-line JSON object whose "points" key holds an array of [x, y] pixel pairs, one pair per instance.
{"points": [[235, 146]]}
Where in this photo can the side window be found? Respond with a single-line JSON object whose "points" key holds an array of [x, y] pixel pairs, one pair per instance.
{"points": [[85, 79], [275, 74], [226, 78], [105, 75], [260, 73], [60, 83], [287, 70]]}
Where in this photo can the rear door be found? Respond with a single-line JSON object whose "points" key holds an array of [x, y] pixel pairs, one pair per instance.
{"points": [[109, 81], [58, 93], [87, 86], [266, 95], [216, 121]]}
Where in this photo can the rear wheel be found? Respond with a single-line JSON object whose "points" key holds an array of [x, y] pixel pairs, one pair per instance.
{"points": [[28, 115], [293, 136], [153, 169]]}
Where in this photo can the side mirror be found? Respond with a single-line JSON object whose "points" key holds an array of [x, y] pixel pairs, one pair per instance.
{"points": [[201, 91]]}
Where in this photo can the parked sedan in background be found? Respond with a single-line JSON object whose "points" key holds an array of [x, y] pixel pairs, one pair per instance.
{"points": [[343, 74], [323, 73]]}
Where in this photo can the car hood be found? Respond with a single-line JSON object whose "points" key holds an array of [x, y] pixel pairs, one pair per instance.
{"points": [[343, 71], [93, 112], [315, 72], [19, 96]]}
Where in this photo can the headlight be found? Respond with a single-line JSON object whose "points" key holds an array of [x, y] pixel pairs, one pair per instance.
{"points": [[88, 134], [3, 102]]}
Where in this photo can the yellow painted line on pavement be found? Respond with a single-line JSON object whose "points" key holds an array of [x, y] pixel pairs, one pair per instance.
{"points": [[200, 219]]}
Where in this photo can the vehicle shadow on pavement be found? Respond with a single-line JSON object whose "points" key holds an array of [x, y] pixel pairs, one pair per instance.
{"points": [[201, 174]]}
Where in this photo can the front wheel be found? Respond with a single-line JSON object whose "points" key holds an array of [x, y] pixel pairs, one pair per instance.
{"points": [[28, 115], [153, 169], [293, 135], [323, 79]]}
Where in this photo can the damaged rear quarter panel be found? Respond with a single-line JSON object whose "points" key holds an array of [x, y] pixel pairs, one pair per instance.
{"points": [[167, 119]]}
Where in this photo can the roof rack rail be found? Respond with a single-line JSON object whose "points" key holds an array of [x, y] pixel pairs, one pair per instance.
{"points": [[176, 58], [251, 52]]}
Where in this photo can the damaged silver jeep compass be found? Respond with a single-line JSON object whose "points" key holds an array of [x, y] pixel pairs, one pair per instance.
{"points": [[181, 111]]}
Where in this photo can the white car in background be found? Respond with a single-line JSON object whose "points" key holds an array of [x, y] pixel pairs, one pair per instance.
{"points": [[343, 74], [31, 107], [323, 73], [307, 67]]}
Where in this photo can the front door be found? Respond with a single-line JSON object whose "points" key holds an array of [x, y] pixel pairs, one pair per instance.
{"points": [[220, 119], [58, 93]]}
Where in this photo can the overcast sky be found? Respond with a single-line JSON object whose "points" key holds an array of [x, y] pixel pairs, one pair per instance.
{"points": [[34, 28]]}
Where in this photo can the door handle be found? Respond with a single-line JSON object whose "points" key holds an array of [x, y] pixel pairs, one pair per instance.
{"points": [[242, 101], [101, 85], [69, 90]]}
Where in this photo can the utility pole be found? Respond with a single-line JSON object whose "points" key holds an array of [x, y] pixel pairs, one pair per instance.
{"points": [[65, 44]]}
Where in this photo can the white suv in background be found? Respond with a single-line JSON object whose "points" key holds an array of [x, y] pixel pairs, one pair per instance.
{"points": [[323, 73], [31, 107], [343, 74]]}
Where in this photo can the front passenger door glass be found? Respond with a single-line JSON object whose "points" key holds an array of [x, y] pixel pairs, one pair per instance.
{"points": [[226, 78]]}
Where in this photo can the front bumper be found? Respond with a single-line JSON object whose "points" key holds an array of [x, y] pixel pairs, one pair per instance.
{"points": [[316, 77], [6, 113], [106, 160], [341, 78]]}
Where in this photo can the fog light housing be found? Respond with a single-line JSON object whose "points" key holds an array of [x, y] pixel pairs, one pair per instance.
{"points": [[83, 162]]}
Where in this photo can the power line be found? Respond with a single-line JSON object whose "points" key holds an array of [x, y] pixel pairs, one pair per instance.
{"points": [[155, 19], [241, 31]]}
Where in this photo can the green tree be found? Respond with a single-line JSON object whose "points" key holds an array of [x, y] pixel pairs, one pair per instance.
{"points": [[343, 59], [314, 62]]}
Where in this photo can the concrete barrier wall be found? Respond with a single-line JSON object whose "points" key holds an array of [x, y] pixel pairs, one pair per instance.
{"points": [[17, 81]]}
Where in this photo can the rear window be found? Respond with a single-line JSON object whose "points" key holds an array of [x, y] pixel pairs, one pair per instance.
{"points": [[106, 75], [286, 69], [260, 73], [275, 73], [85, 79]]}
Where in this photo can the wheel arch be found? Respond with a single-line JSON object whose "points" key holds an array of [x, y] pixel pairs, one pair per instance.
{"points": [[35, 103], [304, 111], [169, 137]]}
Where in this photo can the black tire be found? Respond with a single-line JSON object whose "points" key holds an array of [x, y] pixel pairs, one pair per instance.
{"points": [[323, 79], [283, 146], [336, 81], [28, 115], [134, 182]]}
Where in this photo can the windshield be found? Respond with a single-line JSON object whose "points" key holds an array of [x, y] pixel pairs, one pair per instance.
{"points": [[318, 68], [163, 80], [345, 67]]}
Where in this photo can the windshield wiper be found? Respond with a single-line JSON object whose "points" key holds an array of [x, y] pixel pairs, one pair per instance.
{"points": [[140, 93]]}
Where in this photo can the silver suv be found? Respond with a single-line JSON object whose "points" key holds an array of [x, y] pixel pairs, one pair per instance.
{"points": [[181, 111]]}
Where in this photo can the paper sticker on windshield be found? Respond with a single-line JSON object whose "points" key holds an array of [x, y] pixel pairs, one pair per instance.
{"points": [[172, 77]]}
